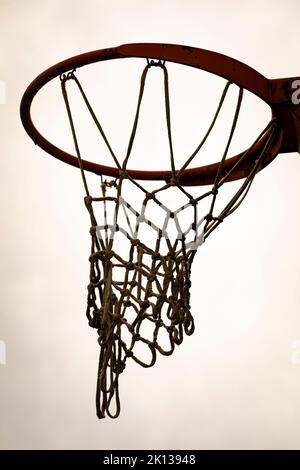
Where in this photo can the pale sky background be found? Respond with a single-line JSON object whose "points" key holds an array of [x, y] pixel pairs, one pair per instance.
{"points": [[235, 383]]}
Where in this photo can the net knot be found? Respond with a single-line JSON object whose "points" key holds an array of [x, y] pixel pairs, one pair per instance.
{"points": [[98, 255], [174, 181], [136, 336], [141, 218], [94, 256], [193, 201], [107, 254], [123, 174], [129, 266], [208, 217], [126, 292], [94, 321], [172, 255], [88, 201], [145, 304], [162, 296], [149, 196], [120, 366]]}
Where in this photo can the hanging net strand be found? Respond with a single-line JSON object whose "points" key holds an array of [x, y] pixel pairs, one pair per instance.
{"points": [[142, 298]]}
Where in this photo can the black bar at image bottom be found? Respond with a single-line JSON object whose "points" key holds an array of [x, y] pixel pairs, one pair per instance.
{"points": [[138, 458]]}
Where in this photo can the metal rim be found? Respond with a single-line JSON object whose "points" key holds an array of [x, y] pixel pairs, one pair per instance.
{"points": [[219, 64]]}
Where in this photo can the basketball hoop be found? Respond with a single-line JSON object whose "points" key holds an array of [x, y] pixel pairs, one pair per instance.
{"points": [[144, 295]]}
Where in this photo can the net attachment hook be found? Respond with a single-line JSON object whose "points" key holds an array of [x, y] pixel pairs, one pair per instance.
{"points": [[153, 63], [67, 76]]}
